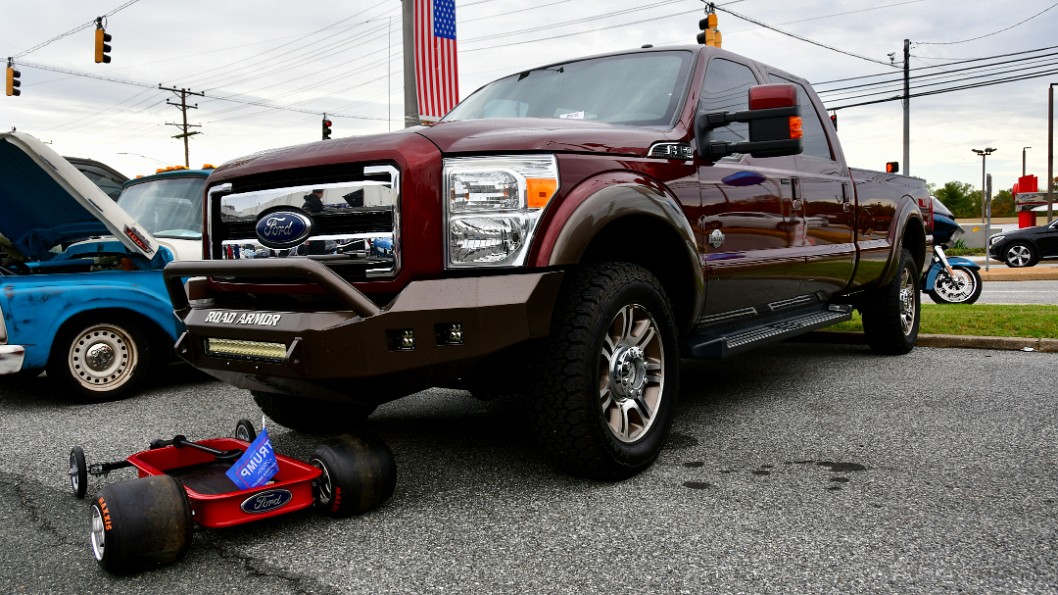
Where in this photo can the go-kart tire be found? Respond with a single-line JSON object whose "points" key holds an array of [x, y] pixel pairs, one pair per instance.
{"points": [[78, 473], [245, 431], [358, 473], [100, 359], [893, 313], [140, 524], [311, 416]]}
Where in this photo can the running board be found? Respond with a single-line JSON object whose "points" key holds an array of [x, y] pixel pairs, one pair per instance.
{"points": [[714, 346]]}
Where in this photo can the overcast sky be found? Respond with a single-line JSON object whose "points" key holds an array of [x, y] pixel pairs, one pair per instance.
{"points": [[297, 60]]}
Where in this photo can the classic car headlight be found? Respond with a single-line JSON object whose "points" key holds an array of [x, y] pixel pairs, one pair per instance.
{"points": [[492, 206], [996, 238]]}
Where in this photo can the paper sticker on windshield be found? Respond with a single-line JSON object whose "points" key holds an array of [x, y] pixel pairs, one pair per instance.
{"points": [[572, 116]]}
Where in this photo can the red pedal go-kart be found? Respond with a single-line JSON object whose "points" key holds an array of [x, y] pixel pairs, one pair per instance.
{"points": [[146, 522]]}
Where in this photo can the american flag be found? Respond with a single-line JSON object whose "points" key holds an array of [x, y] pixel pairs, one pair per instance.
{"points": [[436, 67]]}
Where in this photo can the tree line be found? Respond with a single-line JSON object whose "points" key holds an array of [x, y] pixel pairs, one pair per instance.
{"points": [[965, 202]]}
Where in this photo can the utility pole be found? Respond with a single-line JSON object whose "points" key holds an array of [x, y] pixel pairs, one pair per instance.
{"points": [[184, 134], [1023, 150], [907, 107], [411, 102]]}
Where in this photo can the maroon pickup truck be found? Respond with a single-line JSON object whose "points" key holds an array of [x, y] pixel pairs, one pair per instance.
{"points": [[568, 233]]}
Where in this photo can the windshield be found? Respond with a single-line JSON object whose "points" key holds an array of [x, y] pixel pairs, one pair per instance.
{"points": [[641, 89], [168, 207]]}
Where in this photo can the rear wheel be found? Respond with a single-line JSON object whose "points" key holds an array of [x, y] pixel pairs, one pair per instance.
{"points": [[964, 288], [357, 474], [78, 473], [140, 524], [313, 416], [1019, 254], [100, 360], [245, 431], [891, 316], [606, 380]]}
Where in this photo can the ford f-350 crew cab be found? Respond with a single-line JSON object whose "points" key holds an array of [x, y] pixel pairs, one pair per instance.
{"points": [[569, 233]]}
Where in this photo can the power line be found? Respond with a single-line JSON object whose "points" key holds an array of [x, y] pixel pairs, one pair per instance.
{"points": [[988, 34], [77, 29]]}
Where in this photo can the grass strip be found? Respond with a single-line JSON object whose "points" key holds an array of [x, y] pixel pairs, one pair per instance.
{"points": [[979, 320]]}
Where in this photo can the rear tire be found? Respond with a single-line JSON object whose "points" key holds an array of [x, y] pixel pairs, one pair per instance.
{"points": [[311, 416], [892, 315], [78, 473], [100, 360], [606, 380], [140, 524], [358, 474], [245, 431]]}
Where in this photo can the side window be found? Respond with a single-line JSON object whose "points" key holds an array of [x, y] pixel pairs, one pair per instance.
{"points": [[726, 89], [815, 139]]}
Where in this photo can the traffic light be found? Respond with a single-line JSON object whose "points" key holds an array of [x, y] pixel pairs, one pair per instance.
{"points": [[13, 83], [710, 35], [892, 167], [102, 45], [326, 128]]}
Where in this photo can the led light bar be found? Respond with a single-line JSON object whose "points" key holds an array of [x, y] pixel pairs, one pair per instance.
{"points": [[248, 349]]}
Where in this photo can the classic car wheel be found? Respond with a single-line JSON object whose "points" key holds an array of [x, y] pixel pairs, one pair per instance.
{"points": [[965, 288], [1019, 254], [312, 416], [78, 472], [100, 360], [891, 316], [358, 473], [140, 523], [606, 380]]}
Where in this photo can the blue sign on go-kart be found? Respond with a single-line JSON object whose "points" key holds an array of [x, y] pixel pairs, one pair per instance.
{"points": [[257, 465]]}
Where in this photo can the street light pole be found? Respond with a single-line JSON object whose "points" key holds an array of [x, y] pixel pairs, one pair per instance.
{"points": [[984, 153], [1050, 151], [1023, 160]]}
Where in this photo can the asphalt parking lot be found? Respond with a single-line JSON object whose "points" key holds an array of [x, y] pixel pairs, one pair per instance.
{"points": [[836, 471]]}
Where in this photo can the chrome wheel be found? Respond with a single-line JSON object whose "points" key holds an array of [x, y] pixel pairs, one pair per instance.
{"points": [[631, 373], [98, 533], [908, 293], [957, 289], [1019, 255], [103, 357]]}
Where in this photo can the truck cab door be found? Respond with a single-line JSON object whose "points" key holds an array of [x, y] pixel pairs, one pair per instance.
{"points": [[747, 214], [826, 202]]}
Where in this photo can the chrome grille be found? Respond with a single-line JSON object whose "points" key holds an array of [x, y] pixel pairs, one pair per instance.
{"points": [[355, 223]]}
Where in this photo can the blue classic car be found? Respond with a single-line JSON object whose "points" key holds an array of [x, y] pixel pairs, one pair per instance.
{"points": [[81, 289]]}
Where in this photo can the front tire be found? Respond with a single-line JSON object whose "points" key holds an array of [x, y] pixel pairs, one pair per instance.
{"points": [[78, 473], [606, 380], [140, 523], [1019, 254], [311, 416], [357, 474], [891, 316], [965, 288], [100, 361]]}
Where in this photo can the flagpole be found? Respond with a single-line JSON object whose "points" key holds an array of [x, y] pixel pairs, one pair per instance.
{"points": [[411, 106]]}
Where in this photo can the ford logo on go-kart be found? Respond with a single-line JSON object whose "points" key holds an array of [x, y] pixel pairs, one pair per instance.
{"points": [[283, 229], [266, 501]]}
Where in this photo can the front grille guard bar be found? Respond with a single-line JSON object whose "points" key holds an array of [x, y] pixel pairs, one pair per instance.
{"points": [[313, 271]]}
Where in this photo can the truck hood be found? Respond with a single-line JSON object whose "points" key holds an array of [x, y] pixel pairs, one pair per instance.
{"points": [[45, 201], [543, 134]]}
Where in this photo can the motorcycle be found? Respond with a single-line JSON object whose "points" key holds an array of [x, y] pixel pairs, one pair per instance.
{"points": [[950, 280]]}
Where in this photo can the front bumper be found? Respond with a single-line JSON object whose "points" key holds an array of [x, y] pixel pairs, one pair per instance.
{"points": [[431, 331], [11, 358]]}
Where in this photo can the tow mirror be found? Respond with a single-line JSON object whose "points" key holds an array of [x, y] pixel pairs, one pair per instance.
{"points": [[774, 119]]}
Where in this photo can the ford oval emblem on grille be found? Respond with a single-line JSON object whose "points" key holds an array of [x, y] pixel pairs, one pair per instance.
{"points": [[283, 229], [266, 501]]}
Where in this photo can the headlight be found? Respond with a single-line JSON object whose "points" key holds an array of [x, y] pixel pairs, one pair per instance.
{"points": [[492, 206], [996, 238]]}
